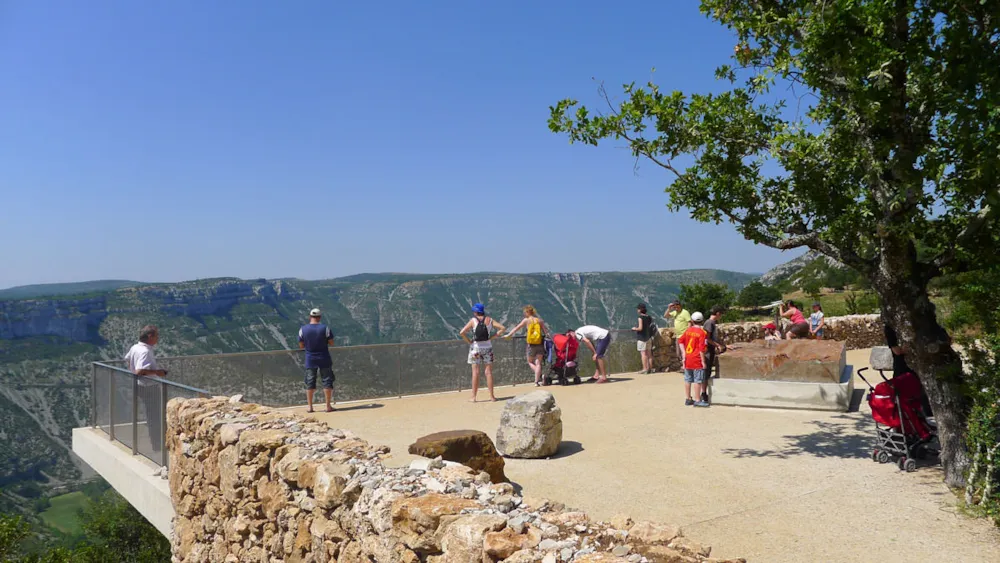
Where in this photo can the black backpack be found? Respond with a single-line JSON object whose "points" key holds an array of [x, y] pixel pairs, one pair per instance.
{"points": [[648, 327], [482, 330]]}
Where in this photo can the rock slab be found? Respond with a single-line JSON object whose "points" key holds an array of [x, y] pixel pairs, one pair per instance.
{"points": [[805, 361], [530, 427], [471, 448]]}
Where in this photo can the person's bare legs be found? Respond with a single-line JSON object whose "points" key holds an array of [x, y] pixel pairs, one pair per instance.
{"points": [[328, 393], [489, 380], [602, 371], [309, 398], [475, 381], [687, 390], [696, 388], [647, 360], [536, 367]]}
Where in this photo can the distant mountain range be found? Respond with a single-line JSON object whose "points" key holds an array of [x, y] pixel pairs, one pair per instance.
{"points": [[50, 333]]}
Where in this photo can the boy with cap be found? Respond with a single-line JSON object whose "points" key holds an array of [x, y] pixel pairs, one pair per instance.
{"points": [[693, 357], [315, 338]]}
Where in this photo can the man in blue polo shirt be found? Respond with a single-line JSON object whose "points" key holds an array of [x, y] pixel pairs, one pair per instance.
{"points": [[315, 338]]}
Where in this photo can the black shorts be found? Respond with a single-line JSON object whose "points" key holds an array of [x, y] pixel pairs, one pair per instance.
{"points": [[325, 373]]}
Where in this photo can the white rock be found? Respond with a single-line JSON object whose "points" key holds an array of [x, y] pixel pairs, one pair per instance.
{"points": [[530, 427], [549, 558], [436, 486], [236, 398]]}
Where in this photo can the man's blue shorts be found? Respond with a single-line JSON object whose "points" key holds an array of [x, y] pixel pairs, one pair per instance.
{"points": [[694, 376], [325, 373], [601, 346]]}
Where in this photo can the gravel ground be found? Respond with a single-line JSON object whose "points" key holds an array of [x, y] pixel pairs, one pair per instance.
{"points": [[770, 485]]}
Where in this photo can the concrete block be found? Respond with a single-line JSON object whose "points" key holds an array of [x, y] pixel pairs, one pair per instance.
{"points": [[786, 394], [816, 361]]}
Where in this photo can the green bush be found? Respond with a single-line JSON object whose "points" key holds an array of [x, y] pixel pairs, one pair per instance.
{"points": [[703, 296], [756, 294]]}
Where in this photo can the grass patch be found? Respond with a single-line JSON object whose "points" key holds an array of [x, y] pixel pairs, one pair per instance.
{"points": [[63, 511]]}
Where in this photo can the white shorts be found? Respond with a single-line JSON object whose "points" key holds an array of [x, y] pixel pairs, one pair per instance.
{"points": [[643, 345]]}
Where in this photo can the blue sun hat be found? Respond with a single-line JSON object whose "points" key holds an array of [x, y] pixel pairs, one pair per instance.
{"points": [[479, 308]]}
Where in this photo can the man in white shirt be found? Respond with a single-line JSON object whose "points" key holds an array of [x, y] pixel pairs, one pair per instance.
{"points": [[141, 360], [597, 339]]}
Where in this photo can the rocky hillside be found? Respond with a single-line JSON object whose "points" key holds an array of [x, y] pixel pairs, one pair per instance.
{"points": [[46, 344], [811, 267]]}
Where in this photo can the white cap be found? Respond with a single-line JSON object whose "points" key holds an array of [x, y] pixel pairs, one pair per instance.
{"points": [[314, 313], [697, 317]]}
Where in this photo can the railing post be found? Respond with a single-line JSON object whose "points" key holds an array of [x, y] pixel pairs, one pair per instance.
{"points": [[111, 406], [399, 370], [93, 395], [163, 424], [135, 414]]}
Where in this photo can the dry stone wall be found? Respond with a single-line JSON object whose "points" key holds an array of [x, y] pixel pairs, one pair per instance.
{"points": [[254, 484], [856, 331]]}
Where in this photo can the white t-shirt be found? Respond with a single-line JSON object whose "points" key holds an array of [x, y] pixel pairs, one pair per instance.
{"points": [[591, 332], [141, 356]]}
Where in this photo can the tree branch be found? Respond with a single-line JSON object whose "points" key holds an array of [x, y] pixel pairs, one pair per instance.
{"points": [[811, 240]]}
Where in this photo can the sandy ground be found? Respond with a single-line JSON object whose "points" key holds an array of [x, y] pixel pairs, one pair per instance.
{"points": [[765, 484]]}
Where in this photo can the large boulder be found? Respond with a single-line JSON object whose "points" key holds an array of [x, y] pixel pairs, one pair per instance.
{"points": [[531, 426], [471, 448]]}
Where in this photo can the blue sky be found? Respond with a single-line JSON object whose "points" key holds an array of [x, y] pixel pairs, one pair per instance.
{"points": [[163, 141]]}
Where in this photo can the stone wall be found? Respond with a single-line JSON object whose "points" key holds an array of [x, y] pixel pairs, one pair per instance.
{"points": [[254, 484], [857, 331]]}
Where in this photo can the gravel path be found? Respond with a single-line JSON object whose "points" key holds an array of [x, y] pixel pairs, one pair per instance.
{"points": [[769, 485]]}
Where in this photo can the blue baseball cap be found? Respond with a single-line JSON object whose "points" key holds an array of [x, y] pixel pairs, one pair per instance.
{"points": [[479, 308]]}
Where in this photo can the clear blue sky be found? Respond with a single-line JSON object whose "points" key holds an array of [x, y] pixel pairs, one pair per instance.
{"points": [[163, 141]]}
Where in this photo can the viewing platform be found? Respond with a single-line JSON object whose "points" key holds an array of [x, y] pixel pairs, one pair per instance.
{"points": [[766, 484]]}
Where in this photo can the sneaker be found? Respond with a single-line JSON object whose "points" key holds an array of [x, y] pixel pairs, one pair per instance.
{"points": [[704, 397], [688, 402], [701, 404]]}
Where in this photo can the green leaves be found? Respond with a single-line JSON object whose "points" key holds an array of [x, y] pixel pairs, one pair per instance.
{"points": [[900, 127]]}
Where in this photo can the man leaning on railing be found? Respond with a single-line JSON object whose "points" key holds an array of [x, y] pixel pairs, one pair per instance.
{"points": [[141, 360]]}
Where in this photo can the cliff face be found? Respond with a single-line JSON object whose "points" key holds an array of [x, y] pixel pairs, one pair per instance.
{"points": [[71, 319]]}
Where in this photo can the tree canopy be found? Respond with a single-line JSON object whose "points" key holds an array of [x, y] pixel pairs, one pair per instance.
{"points": [[867, 130]]}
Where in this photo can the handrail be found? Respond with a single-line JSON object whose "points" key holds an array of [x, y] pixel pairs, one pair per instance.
{"points": [[156, 379]]}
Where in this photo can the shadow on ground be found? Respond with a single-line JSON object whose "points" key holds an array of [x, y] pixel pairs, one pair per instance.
{"points": [[843, 436], [369, 406], [568, 448]]}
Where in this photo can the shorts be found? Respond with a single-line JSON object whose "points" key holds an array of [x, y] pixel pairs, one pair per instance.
{"points": [[325, 373], [602, 346], [819, 334], [694, 375], [535, 350], [643, 345], [800, 330], [479, 356]]}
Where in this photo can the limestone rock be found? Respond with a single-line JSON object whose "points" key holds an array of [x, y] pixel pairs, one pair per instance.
{"points": [[417, 518], [881, 358], [530, 426], [471, 448], [653, 534], [461, 538], [506, 542]]}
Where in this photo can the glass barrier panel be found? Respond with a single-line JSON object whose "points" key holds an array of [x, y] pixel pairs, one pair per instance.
{"points": [[434, 367], [122, 414], [150, 428]]}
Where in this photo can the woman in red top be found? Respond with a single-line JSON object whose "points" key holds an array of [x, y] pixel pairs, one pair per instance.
{"points": [[799, 327]]}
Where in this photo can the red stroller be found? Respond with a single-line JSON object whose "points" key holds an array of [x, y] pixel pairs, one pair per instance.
{"points": [[902, 432], [564, 368]]}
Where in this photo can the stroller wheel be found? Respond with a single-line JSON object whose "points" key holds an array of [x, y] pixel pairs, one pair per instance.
{"points": [[910, 465], [883, 456], [901, 463], [576, 381], [875, 455]]}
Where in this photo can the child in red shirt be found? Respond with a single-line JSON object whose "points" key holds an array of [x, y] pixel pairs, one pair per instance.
{"points": [[693, 358]]}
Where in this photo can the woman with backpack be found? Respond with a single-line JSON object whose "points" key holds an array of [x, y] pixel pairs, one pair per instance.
{"points": [[644, 338], [481, 346], [535, 339]]}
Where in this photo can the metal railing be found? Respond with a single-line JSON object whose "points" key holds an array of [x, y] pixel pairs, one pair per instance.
{"points": [[132, 410], [275, 378]]}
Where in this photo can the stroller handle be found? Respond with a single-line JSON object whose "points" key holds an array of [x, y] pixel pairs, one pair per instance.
{"points": [[860, 372]]}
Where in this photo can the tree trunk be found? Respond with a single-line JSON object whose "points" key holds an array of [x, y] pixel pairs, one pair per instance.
{"points": [[907, 307]]}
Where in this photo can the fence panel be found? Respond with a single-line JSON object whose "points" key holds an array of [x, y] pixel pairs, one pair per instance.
{"points": [[434, 366], [124, 399]]}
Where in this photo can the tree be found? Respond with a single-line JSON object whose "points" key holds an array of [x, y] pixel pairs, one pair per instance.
{"points": [[756, 294], [865, 130], [117, 532], [702, 296]]}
